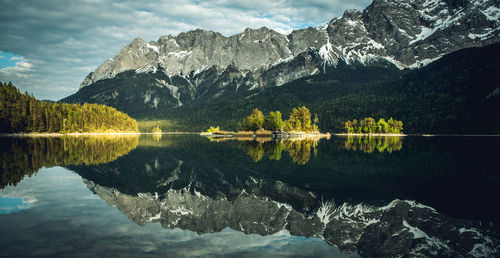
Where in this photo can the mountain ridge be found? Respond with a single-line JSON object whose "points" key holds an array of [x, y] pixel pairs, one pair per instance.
{"points": [[384, 42], [406, 34]]}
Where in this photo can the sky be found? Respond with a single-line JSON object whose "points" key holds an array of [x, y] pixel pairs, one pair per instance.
{"points": [[48, 47]]}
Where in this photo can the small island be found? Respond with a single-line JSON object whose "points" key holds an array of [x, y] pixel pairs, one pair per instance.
{"points": [[368, 126], [156, 130], [298, 125]]}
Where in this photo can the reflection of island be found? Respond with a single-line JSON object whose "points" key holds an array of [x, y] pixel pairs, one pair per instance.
{"points": [[156, 137], [298, 150], [368, 144], [22, 156]]}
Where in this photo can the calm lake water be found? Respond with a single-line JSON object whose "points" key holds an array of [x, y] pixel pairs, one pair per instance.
{"points": [[186, 195]]}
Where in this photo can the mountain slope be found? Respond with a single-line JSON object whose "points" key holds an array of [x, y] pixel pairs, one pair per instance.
{"points": [[455, 94], [176, 76], [388, 32], [406, 33]]}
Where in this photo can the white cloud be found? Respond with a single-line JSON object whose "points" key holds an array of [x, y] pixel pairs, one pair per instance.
{"points": [[20, 70]]}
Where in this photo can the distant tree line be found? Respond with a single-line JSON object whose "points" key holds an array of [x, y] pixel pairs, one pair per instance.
{"points": [[24, 113], [299, 121], [369, 125]]}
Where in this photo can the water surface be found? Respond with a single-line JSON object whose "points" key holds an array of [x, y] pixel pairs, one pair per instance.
{"points": [[189, 195]]}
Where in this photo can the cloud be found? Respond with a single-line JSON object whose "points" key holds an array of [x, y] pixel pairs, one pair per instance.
{"points": [[21, 69], [64, 41]]}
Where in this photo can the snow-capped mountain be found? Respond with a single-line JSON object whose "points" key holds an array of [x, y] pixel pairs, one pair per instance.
{"points": [[204, 64]]}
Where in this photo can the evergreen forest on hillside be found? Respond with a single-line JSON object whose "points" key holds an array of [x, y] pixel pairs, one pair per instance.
{"points": [[24, 113], [454, 94]]}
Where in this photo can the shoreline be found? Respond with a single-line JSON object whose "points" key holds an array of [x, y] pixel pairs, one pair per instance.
{"points": [[89, 134], [61, 134], [273, 135], [281, 136], [371, 134]]}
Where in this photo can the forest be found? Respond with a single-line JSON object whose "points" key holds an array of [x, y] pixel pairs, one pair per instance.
{"points": [[23, 113], [299, 121], [454, 94], [368, 125]]}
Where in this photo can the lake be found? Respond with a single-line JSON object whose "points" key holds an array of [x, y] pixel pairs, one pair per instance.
{"points": [[186, 195]]}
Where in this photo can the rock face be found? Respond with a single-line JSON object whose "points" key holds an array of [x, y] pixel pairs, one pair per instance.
{"points": [[407, 34], [404, 32]]}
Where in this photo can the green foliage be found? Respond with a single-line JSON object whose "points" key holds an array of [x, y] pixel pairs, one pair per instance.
{"points": [[273, 121], [368, 125], [300, 120], [24, 113], [213, 129], [254, 122], [156, 129], [147, 125]]}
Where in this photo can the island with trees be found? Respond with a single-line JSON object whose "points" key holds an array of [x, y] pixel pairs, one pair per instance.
{"points": [[23, 113], [368, 126], [299, 124]]}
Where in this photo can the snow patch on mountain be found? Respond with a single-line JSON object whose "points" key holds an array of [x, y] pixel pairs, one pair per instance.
{"points": [[154, 48], [174, 91], [424, 33], [407, 33], [492, 13], [180, 54]]}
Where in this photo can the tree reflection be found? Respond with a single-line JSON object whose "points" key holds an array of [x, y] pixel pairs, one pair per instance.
{"points": [[22, 156], [369, 144], [156, 137], [298, 150]]}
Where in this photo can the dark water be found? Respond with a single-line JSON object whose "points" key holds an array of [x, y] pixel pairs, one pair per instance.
{"points": [[187, 195]]}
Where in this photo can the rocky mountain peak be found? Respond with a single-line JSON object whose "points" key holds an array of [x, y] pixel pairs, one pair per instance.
{"points": [[406, 34]]}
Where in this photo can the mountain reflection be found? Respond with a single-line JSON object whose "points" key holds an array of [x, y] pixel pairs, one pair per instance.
{"points": [[368, 144], [400, 226], [190, 183], [22, 156], [196, 185]]}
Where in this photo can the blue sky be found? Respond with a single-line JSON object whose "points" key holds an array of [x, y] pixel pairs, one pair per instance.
{"points": [[8, 59], [56, 43]]}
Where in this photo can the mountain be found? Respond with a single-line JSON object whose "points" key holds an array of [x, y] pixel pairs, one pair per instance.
{"points": [[200, 67], [455, 94]]}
